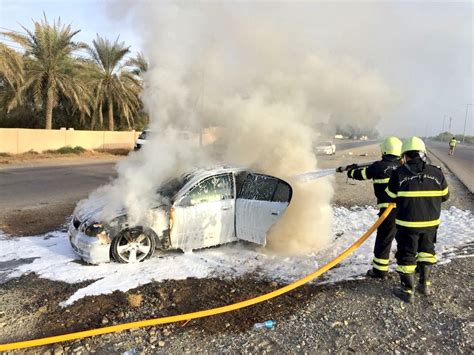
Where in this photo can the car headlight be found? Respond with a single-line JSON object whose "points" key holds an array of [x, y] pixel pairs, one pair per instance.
{"points": [[94, 230]]}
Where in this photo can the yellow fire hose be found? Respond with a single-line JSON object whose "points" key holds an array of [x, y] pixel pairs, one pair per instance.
{"points": [[199, 314]]}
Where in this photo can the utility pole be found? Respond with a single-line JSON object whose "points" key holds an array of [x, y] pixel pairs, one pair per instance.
{"points": [[465, 122], [450, 120]]}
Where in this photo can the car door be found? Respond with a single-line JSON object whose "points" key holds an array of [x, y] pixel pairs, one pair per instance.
{"points": [[260, 203], [204, 215]]}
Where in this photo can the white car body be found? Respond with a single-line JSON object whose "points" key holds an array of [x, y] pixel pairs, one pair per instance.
{"points": [[141, 140], [243, 206], [325, 148]]}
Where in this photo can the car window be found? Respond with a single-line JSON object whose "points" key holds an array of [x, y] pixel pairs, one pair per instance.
{"points": [[171, 187], [282, 193], [258, 187], [215, 188]]}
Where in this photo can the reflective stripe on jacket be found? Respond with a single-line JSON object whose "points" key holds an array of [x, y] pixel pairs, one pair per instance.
{"points": [[418, 190], [379, 172]]}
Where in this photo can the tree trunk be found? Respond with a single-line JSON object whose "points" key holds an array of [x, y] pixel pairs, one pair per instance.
{"points": [[111, 115], [49, 109]]}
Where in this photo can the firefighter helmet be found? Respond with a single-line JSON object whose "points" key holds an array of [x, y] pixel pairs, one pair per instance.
{"points": [[391, 145], [413, 143]]}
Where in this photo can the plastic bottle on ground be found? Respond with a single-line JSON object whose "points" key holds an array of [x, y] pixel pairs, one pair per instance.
{"points": [[267, 324]]}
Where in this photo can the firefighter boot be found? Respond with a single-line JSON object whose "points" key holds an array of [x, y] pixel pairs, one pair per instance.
{"points": [[424, 285], [376, 274], [406, 292]]}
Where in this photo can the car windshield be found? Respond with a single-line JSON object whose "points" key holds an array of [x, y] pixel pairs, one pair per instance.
{"points": [[171, 187]]}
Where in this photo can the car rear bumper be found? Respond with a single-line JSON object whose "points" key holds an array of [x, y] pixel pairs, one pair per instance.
{"points": [[91, 250]]}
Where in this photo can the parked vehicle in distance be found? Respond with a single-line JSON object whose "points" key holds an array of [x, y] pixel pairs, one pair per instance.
{"points": [[363, 138], [141, 140], [205, 208], [146, 135], [325, 148]]}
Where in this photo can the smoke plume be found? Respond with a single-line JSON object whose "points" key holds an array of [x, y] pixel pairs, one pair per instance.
{"points": [[263, 84]]}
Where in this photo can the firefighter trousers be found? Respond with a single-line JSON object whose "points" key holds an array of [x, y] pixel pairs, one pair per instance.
{"points": [[383, 241], [415, 246]]}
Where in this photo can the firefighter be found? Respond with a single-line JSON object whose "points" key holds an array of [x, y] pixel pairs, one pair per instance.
{"points": [[379, 172], [452, 145], [418, 189]]}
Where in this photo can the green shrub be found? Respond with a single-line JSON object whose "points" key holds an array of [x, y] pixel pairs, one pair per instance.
{"points": [[4, 155], [66, 150]]}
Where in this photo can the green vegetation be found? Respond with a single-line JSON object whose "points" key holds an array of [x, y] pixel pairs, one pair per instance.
{"points": [[351, 131], [110, 85], [66, 150], [51, 85], [4, 155]]}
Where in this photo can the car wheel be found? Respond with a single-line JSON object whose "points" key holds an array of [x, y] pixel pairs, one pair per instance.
{"points": [[132, 246]]}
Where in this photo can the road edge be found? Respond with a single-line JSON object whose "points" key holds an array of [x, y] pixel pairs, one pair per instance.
{"points": [[446, 165]]}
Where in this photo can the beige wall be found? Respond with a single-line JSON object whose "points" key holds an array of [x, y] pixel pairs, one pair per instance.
{"points": [[19, 140]]}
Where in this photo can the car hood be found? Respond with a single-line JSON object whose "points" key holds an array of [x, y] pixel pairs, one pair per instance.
{"points": [[93, 209]]}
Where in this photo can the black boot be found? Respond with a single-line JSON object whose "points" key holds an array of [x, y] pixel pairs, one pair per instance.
{"points": [[424, 285], [407, 291], [376, 274]]}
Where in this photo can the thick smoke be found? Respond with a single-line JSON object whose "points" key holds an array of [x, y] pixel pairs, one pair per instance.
{"points": [[235, 67]]}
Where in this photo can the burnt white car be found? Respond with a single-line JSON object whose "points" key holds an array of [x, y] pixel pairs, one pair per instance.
{"points": [[325, 148], [205, 208]]}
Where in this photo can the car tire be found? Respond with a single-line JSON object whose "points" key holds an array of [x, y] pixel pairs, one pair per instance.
{"points": [[132, 246]]}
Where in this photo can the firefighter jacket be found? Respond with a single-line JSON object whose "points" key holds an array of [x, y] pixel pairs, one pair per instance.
{"points": [[379, 172], [418, 189]]}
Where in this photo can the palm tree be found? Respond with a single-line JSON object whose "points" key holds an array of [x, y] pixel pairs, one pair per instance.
{"points": [[11, 76], [139, 64], [49, 66], [114, 85]]}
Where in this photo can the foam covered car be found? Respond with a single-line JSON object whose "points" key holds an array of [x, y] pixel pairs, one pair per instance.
{"points": [[204, 208]]}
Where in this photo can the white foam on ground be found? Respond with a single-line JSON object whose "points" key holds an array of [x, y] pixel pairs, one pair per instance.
{"points": [[55, 259]]}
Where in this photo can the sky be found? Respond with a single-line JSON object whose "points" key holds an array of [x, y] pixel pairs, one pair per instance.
{"points": [[423, 49]]}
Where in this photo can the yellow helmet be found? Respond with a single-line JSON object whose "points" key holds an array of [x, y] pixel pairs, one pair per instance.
{"points": [[391, 145], [413, 143]]}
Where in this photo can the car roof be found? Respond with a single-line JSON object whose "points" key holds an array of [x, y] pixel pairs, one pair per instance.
{"points": [[202, 173]]}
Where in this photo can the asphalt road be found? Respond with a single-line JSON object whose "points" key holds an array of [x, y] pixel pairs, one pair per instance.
{"points": [[41, 185], [461, 163]]}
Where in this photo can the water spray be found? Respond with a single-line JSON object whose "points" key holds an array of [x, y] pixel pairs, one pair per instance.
{"points": [[313, 175]]}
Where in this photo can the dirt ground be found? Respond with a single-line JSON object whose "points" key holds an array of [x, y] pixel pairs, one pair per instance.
{"points": [[350, 316], [34, 158]]}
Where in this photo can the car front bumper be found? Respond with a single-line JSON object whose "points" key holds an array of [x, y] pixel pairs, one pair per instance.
{"points": [[91, 250]]}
